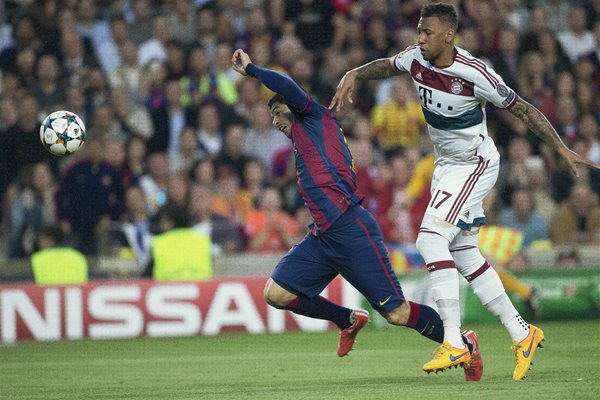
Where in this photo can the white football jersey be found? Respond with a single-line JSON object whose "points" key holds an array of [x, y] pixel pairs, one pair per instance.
{"points": [[453, 100]]}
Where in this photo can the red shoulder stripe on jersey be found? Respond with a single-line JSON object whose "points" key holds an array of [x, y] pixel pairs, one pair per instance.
{"points": [[493, 81], [479, 63]]}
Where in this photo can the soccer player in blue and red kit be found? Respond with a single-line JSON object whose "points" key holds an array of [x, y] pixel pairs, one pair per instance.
{"points": [[344, 238]]}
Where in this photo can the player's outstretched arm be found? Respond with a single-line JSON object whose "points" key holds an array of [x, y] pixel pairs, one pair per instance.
{"points": [[539, 124], [276, 81], [377, 69]]}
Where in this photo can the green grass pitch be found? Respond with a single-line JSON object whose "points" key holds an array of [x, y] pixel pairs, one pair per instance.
{"points": [[386, 364]]}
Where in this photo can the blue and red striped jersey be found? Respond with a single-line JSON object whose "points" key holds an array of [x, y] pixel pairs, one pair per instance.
{"points": [[324, 165]]}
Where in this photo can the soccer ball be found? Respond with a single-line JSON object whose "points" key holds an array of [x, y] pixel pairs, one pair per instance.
{"points": [[62, 133]]}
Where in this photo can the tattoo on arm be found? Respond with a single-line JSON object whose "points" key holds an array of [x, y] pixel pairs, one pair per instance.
{"points": [[537, 122], [377, 69]]}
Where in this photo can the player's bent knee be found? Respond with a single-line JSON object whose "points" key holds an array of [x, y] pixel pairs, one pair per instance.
{"points": [[399, 315], [276, 296]]}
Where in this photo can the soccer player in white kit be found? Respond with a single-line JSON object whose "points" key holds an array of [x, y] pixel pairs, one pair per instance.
{"points": [[453, 88]]}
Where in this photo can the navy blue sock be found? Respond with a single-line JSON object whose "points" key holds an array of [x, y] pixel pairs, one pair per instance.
{"points": [[321, 308], [469, 344], [426, 321]]}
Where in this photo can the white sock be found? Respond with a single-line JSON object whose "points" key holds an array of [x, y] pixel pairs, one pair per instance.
{"points": [[502, 307], [489, 290], [444, 285]]}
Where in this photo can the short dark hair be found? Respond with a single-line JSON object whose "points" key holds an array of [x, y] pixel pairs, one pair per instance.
{"points": [[277, 98], [445, 12], [55, 234], [177, 214]]}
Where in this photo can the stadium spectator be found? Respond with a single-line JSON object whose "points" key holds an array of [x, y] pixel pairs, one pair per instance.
{"points": [[89, 196], [99, 32], [25, 63], [128, 74], [533, 84], [506, 61], [178, 190], [152, 91], [263, 140], [203, 172], [32, 210], [231, 201], [197, 81], [303, 19], [232, 153], [207, 33], [25, 137], [97, 88], [133, 119], [577, 219], [104, 125], [57, 264], [75, 102], [269, 228], [182, 22], [254, 179], [523, 216], [154, 49], [23, 35], [135, 157], [9, 116], [182, 160], [539, 187], [399, 123], [576, 39], [552, 52], [210, 135], [225, 91], [398, 215], [176, 59], [172, 259], [155, 181], [134, 230], [115, 155], [140, 21], [169, 120], [249, 91], [49, 91], [226, 237], [513, 171]]}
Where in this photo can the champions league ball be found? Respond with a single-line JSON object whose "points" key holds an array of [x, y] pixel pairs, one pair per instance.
{"points": [[62, 133]]}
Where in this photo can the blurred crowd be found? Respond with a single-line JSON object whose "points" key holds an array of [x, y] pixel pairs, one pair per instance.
{"points": [[170, 124]]}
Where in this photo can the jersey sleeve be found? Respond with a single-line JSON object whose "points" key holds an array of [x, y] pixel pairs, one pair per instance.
{"points": [[403, 60], [281, 83], [490, 87]]}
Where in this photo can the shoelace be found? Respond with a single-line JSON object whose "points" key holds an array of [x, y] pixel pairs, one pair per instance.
{"points": [[439, 353]]}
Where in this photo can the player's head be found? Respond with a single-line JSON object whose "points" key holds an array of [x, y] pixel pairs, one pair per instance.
{"points": [[281, 114], [436, 30]]}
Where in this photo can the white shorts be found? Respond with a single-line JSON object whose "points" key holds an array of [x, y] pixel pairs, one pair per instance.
{"points": [[458, 190]]}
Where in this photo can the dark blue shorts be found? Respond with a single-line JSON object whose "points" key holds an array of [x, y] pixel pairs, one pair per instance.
{"points": [[352, 247]]}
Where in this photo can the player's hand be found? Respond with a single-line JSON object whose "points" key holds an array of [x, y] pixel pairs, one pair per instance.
{"points": [[345, 89], [572, 159], [240, 61]]}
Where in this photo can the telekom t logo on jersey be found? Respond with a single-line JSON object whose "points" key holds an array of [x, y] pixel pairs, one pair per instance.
{"points": [[425, 96]]}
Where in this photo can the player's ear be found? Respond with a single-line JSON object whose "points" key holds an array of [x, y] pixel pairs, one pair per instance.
{"points": [[450, 36]]}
